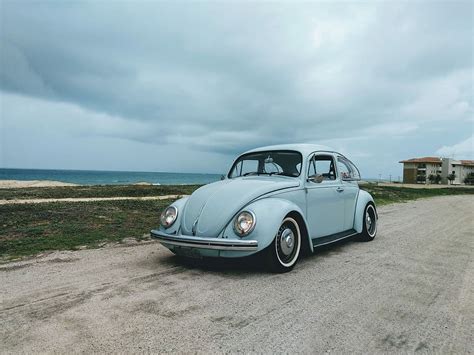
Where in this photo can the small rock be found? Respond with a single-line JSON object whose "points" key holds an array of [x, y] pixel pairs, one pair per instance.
{"points": [[129, 241]]}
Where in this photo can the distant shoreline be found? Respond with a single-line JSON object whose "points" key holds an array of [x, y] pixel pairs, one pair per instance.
{"points": [[19, 184], [88, 178], [16, 184]]}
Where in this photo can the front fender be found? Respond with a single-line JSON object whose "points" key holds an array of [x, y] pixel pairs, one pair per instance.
{"points": [[269, 213], [179, 204], [362, 200]]}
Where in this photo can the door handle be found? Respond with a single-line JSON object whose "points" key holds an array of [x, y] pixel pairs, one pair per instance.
{"points": [[340, 189]]}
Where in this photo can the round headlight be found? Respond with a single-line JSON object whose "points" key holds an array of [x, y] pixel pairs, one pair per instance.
{"points": [[244, 223], [168, 216]]}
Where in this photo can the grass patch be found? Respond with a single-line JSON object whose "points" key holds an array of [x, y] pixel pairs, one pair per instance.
{"points": [[96, 191], [27, 229], [384, 195]]}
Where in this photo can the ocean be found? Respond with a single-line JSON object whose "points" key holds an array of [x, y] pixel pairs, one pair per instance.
{"points": [[94, 177]]}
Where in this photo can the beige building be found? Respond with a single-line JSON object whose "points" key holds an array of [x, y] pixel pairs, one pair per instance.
{"points": [[460, 169], [418, 170]]}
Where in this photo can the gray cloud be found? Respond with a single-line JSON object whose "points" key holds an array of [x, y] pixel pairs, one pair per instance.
{"points": [[380, 80]]}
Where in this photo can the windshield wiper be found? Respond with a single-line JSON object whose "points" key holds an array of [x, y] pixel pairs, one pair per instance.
{"points": [[286, 174], [257, 173]]}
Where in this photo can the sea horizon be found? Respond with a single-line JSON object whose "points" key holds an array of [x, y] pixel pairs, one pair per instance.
{"points": [[107, 177]]}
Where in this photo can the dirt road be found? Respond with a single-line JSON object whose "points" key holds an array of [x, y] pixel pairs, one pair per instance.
{"points": [[409, 290]]}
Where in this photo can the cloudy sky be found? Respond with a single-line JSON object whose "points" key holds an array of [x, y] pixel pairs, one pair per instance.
{"points": [[180, 86]]}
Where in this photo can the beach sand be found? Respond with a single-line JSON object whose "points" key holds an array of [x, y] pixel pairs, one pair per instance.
{"points": [[12, 184]]}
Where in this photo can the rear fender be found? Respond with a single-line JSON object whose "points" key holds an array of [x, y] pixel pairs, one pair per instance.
{"points": [[362, 200]]}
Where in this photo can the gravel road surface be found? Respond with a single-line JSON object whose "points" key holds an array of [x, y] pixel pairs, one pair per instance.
{"points": [[409, 290]]}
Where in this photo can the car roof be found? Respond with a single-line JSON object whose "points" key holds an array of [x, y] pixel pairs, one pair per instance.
{"points": [[304, 148]]}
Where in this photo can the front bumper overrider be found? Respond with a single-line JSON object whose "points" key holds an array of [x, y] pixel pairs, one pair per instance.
{"points": [[205, 243]]}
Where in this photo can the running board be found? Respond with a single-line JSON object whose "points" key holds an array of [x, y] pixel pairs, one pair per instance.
{"points": [[317, 242]]}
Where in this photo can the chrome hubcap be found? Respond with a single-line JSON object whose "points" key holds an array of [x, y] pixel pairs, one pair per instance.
{"points": [[287, 241], [368, 221]]}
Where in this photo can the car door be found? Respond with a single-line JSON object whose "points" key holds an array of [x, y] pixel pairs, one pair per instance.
{"points": [[324, 200], [348, 174]]}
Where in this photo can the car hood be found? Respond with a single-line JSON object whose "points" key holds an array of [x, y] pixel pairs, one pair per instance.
{"points": [[213, 205]]}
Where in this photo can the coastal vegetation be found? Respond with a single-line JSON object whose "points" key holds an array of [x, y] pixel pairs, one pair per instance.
{"points": [[28, 229], [384, 195], [96, 191]]}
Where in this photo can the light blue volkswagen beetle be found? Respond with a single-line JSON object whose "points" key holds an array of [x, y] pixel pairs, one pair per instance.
{"points": [[279, 201]]}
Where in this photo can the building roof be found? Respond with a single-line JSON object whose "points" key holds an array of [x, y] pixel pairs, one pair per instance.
{"points": [[436, 160], [433, 160]]}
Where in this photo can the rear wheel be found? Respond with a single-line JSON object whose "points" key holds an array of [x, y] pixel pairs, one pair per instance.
{"points": [[369, 224], [282, 254]]}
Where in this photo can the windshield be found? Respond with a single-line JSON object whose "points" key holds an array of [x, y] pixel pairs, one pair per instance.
{"points": [[274, 162]]}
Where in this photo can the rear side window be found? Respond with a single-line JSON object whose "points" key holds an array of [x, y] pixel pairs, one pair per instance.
{"points": [[347, 170]]}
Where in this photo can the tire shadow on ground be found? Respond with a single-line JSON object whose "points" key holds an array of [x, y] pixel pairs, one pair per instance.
{"points": [[246, 265]]}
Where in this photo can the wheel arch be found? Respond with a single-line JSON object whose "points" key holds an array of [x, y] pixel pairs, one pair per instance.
{"points": [[306, 247], [363, 199], [270, 212]]}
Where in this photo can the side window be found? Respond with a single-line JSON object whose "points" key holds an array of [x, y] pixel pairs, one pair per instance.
{"points": [[322, 165], [343, 168], [347, 170]]}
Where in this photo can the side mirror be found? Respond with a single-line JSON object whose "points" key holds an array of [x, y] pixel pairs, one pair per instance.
{"points": [[222, 177], [316, 178]]}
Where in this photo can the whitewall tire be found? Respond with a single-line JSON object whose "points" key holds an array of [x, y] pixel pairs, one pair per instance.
{"points": [[369, 223], [284, 251]]}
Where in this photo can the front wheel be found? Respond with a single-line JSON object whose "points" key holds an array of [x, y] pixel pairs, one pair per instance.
{"points": [[369, 224], [282, 254]]}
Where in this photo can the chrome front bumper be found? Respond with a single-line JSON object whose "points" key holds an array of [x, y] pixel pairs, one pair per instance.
{"points": [[205, 243]]}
